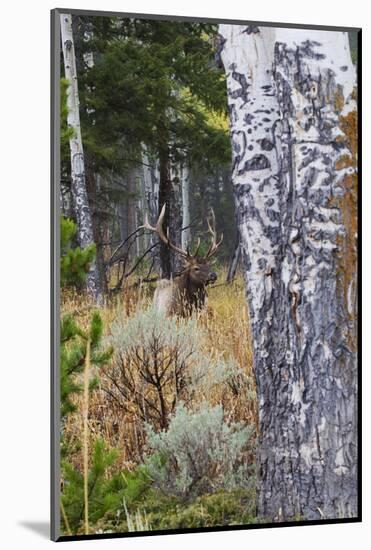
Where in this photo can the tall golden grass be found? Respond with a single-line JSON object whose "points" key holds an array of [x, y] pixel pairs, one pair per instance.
{"points": [[225, 325]]}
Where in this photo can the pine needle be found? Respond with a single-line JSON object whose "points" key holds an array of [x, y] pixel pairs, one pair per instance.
{"points": [[86, 436]]}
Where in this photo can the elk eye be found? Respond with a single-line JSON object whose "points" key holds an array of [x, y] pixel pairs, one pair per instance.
{"points": [[197, 268]]}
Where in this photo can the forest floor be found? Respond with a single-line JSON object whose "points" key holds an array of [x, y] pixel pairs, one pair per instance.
{"points": [[224, 336]]}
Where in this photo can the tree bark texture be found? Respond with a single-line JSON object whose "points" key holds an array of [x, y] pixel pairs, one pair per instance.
{"points": [[151, 192], [186, 219], [176, 217], [293, 128], [78, 187], [164, 198], [232, 270]]}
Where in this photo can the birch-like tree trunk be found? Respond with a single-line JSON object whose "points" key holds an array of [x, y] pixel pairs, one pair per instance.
{"points": [[176, 211], [78, 188], [186, 219], [150, 184], [131, 208], [292, 122]]}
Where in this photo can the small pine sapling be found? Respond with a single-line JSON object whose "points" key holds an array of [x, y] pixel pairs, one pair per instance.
{"points": [[75, 262], [73, 354]]}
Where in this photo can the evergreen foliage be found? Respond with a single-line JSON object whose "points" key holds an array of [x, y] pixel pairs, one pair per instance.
{"points": [[235, 507], [66, 131], [75, 262], [105, 492], [72, 357], [109, 493], [154, 82]]}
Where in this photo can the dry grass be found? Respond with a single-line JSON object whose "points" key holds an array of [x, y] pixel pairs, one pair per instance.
{"points": [[226, 327]]}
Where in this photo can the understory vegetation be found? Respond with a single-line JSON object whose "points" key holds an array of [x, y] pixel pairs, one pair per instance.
{"points": [[171, 416]]}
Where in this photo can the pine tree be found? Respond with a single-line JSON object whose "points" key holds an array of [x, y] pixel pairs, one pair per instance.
{"points": [[154, 83], [75, 262], [107, 491], [104, 493], [73, 353]]}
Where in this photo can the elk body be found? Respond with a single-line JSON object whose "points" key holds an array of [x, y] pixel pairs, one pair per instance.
{"points": [[185, 293]]}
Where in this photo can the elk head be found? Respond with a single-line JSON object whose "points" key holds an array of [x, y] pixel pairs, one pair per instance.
{"points": [[197, 268]]}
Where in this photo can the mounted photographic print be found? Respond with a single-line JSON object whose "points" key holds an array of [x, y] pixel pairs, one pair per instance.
{"points": [[205, 281]]}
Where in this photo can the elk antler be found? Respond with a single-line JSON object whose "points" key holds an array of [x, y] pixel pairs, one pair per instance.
{"points": [[213, 245], [196, 251], [160, 232]]}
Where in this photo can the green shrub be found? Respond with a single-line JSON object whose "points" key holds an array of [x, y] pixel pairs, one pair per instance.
{"points": [[75, 262], [109, 494], [105, 492], [199, 453], [159, 361], [223, 508], [158, 511], [72, 357]]}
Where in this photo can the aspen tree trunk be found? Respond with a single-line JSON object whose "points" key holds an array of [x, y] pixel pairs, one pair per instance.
{"points": [[186, 220], [164, 197], [232, 270], [150, 184], [131, 208], [176, 210], [78, 189], [151, 191], [293, 120]]}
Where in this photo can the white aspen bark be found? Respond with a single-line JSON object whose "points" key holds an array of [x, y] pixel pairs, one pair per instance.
{"points": [[148, 192], [132, 215], [186, 220], [155, 173], [175, 221], [78, 188], [234, 263], [151, 179], [143, 204], [289, 95]]}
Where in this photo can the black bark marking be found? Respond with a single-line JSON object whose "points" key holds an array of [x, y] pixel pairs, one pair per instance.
{"points": [[266, 144], [257, 162], [243, 91], [251, 29], [248, 118], [220, 41]]}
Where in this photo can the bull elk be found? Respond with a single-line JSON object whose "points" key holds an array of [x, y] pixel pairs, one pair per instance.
{"points": [[186, 293]]}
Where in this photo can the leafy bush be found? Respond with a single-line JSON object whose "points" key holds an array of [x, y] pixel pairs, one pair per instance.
{"points": [[158, 361], [199, 453]]}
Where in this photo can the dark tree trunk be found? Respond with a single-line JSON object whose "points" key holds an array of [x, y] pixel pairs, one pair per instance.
{"points": [[164, 197], [293, 173], [232, 270], [98, 225]]}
